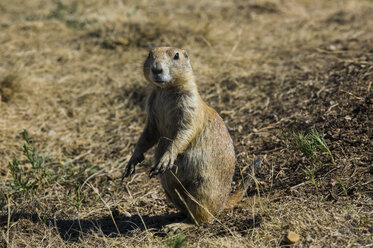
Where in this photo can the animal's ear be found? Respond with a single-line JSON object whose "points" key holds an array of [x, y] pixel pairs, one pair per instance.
{"points": [[185, 54]]}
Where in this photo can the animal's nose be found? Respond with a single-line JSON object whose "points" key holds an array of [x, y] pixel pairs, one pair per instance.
{"points": [[157, 70]]}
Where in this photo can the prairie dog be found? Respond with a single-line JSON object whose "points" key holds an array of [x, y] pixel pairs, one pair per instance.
{"points": [[194, 156]]}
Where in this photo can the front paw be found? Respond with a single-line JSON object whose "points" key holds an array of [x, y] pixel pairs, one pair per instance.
{"points": [[165, 163], [130, 168]]}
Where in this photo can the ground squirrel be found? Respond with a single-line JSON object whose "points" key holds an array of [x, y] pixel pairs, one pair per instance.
{"points": [[195, 156]]}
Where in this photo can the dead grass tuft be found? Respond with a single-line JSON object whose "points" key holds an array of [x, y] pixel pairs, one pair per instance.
{"points": [[9, 85]]}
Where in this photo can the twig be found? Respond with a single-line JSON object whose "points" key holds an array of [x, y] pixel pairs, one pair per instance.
{"points": [[206, 41], [356, 97], [187, 207], [8, 224], [137, 210], [80, 156], [331, 107], [298, 185], [91, 176], [106, 205]]}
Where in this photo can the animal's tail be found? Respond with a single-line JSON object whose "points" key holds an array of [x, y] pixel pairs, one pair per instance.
{"points": [[237, 196]]}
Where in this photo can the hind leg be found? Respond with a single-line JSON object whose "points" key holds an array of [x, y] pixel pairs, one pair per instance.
{"points": [[200, 214], [198, 208]]}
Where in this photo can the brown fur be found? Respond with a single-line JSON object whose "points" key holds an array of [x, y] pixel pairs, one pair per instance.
{"points": [[195, 155]]}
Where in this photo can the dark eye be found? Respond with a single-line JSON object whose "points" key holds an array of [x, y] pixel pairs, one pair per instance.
{"points": [[176, 56]]}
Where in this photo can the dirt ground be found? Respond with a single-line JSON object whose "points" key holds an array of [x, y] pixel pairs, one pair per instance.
{"points": [[71, 75]]}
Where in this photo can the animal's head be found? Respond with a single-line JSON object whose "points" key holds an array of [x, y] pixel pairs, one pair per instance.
{"points": [[168, 66]]}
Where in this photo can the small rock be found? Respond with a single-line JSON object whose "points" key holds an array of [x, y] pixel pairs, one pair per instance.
{"points": [[115, 174], [124, 213], [332, 47], [175, 228], [239, 128], [291, 238], [51, 132]]}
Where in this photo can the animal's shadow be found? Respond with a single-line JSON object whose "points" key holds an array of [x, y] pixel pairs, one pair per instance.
{"points": [[113, 226], [72, 229]]}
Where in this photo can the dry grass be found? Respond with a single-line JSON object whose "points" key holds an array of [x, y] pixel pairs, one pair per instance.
{"points": [[70, 73]]}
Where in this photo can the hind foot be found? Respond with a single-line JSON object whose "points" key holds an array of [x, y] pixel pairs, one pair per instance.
{"points": [[175, 228]]}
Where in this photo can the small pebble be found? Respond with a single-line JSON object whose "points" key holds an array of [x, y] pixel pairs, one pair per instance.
{"points": [[51, 132], [291, 238]]}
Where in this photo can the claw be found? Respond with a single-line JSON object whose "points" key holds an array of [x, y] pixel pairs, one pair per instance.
{"points": [[163, 169], [152, 173], [173, 166], [166, 166], [140, 159], [165, 163], [156, 169], [130, 170]]}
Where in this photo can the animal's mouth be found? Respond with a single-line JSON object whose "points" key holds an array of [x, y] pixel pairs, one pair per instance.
{"points": [[160, 81]]}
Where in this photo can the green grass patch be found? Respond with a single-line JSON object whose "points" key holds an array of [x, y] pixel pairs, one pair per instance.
{"points": [[312, 144], [178, 241], [38, 171], [311, 176], [342, 186]]}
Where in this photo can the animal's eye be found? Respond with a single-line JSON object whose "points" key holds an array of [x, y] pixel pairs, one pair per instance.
{"points": [[176, 56]]}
